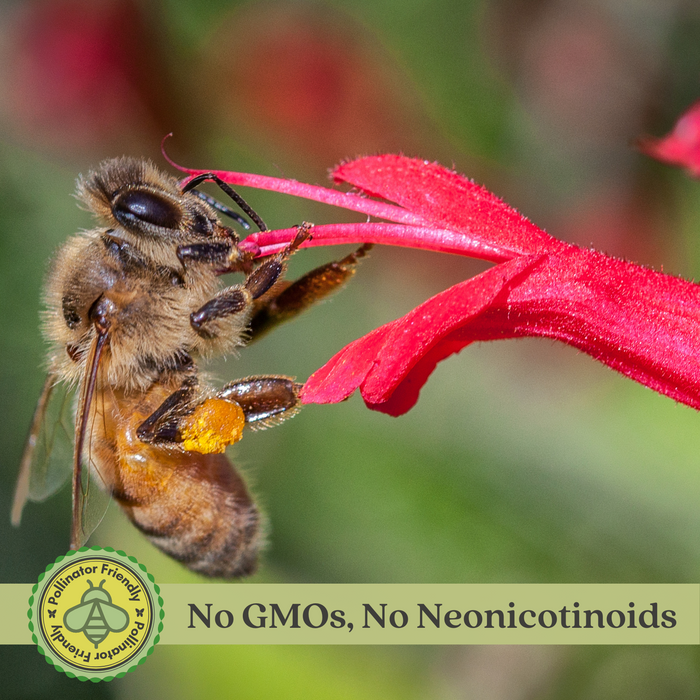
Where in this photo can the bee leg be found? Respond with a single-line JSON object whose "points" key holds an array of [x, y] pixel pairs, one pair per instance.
{"points": [[209, 425], [222, 254], [238, 299], [163, 424], [232, 301], [291, 299], [213, 252], [262, 279], [266, 400], [197, 424]]}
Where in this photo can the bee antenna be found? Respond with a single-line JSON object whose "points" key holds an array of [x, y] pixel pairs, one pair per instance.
{"points": [[230, 192], [101, 582], [222, 208], [90, 582]]}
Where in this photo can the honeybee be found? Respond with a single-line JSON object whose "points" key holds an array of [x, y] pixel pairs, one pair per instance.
{"points": [[131, 307]]}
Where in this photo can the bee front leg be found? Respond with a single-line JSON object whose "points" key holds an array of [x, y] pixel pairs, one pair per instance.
{"points": [[223, 254], [237, 300]]}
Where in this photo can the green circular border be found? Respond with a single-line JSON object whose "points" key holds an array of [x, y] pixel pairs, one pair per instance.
{"points": [[158, 614]]}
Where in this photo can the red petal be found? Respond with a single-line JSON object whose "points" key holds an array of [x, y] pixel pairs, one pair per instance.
{"points": [[465, 218], [682, 145], [448, 200], [380, 361], [642, 323], [421, 237]]}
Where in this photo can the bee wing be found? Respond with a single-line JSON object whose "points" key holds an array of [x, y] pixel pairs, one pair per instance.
{"points": [[88, 507], [49, 455], [117, 618], [46, 461], [76, 618], [94, 498]]}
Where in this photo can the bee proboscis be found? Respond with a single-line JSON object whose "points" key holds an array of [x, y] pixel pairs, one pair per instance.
{"points": [[131, 307]]}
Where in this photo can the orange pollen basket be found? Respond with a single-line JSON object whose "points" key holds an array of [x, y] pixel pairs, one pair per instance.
{"points": [[213, 426]]}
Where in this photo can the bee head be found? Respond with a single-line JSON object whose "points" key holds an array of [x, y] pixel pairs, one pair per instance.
{"points": [[132, 194]]}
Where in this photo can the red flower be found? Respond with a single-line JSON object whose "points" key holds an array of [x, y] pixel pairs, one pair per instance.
{"points": [[681, 146], [642, 323]]}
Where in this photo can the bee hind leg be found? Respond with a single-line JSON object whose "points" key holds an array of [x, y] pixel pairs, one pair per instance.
{"points": [[266, 400], [198, 424], [209, 425]]}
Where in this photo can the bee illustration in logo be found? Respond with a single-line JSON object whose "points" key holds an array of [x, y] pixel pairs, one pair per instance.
{"points": [[131, 307], [96, 616]]}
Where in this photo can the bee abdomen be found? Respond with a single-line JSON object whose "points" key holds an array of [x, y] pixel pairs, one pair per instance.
{"points": [[202, 516]]}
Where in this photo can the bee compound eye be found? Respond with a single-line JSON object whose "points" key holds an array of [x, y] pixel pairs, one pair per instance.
{"points": [[139, 206]]}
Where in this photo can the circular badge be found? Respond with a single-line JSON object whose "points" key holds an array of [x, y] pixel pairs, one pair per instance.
{"points": [[95, 614]]}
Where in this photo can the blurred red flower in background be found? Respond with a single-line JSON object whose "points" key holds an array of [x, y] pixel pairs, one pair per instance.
{"points": [[642, 323], [95, 78], [681, 146], [79, 74], [315, 82]]}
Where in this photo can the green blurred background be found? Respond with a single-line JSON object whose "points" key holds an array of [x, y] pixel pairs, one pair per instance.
{"points": [[523, 461]]}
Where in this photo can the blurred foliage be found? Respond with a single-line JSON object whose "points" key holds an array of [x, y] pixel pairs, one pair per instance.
{"points": [[523, 461]]}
